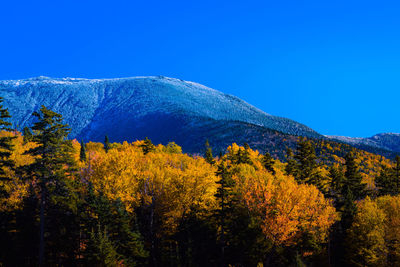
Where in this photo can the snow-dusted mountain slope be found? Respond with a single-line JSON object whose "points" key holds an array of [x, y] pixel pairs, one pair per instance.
{"points": [[131, 108], [388, 141]]}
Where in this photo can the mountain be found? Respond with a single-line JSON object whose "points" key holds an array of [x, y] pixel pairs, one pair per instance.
{"points": [[163, 109], [387, 141]]}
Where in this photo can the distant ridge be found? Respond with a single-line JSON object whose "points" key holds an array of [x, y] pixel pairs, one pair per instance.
{"points": [[388, 141]]}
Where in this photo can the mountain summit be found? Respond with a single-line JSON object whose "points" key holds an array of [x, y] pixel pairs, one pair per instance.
{"points": [[133, 108]]}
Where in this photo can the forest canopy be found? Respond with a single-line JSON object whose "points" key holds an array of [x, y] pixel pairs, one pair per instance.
{"points": [[70, 202]]}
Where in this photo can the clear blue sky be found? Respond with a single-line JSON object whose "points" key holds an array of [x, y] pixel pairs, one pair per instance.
{"points": [[333, 65]]}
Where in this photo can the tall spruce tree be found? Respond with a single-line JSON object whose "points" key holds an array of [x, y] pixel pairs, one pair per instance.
{"points": [[304, 166], [122, 228], [291, 167], [243, 155], [307, 160], [353, 179], [208, 154], [82, 154], [147, 146], [388, 181], [6, 146], [26, 132], [52, 166], [224, 197], [107, 145], [7, 223], [268, 163], [337, 182]]}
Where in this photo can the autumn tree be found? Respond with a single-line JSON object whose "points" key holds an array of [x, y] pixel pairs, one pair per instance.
{"points": [[366, 237], [290, 214]]}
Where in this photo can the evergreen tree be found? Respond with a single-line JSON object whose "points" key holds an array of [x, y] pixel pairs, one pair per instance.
{"points": [[303, 165], [243, 155], [224, 197], [100, 250], [52, 165], [6, 146], [388, 181], [268, 163], [353, 178], [306, 159], [107, 144], [122, 229], [397, 168], [27, 135], [208, 154], [291, 167], [82, 154], [336, 175], [147, 146], [349, 209]]}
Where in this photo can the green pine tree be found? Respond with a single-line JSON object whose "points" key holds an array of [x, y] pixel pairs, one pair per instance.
{"points": [[100, 250], [304, 166], [26, 132], [6, 146], [307, 161], [353, 179], [121, 226], [268, 163], [291, 167], [208, 154], [243, 155], [147, 146], [82, 154], [53, 163], [337, 183], [388, 181], [224, 197], [107, 144]]}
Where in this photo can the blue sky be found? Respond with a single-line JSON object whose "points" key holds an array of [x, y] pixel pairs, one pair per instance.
{"points": [[333, 65]]}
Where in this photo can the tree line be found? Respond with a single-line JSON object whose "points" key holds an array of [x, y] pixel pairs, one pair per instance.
{"points": [[70, 203]]}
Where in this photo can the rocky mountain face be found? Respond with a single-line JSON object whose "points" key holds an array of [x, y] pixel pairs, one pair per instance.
{"points": [[161, 108]]}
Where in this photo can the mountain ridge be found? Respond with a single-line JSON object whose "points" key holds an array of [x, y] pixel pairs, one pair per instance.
{"points": [[161, 108], [388, 141], [87, 103]]}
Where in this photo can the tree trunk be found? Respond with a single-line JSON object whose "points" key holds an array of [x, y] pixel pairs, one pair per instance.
{"points": [[41, 244]]}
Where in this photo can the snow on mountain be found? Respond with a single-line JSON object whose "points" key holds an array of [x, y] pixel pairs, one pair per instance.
{"points": [[387, 141], [131, 108]]}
